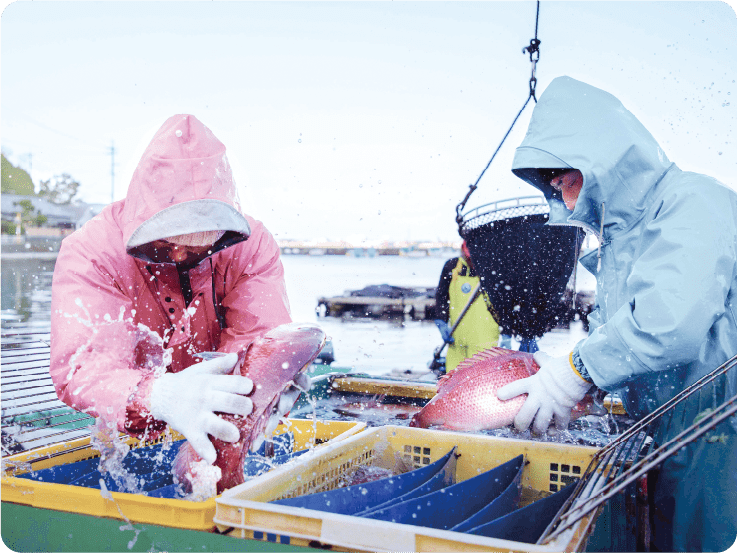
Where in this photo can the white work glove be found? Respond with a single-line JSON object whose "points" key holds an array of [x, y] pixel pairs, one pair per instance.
{"points": [[287, 399], [551, 392], [188, 400]]}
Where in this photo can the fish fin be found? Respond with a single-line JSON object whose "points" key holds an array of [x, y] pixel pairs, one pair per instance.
{"points": [[182, 465], [490, 353], [485, 354], [443, 380], [451, 377], [496, 352]]}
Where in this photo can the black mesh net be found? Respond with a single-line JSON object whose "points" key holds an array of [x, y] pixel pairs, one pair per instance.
{"points": [[524, 264]]}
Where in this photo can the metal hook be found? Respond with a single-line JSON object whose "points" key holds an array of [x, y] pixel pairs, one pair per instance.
{"points": [[533, 48]]}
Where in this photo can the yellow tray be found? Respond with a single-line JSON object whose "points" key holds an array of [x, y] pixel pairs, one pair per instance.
{"points": [[243, 511], [177, 513]]}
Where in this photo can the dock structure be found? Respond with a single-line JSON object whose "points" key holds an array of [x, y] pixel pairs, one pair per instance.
{"points": [[415, 303], [409, 249]]}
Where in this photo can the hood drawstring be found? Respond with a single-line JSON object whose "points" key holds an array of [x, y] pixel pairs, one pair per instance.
{"points": [[601, 237], [215, 303], [575, 267]]}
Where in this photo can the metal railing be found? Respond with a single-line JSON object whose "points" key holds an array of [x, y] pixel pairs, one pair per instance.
{"points": [[32, 414], [633, 454]]}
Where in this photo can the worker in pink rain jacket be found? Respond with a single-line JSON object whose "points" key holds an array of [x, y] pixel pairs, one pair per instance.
{"points": [[174, 269]]}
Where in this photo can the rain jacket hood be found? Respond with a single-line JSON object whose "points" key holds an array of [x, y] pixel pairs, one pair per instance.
{"points": [[182, 184], [578, 126]]}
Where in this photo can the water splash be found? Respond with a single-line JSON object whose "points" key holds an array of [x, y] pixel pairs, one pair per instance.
{"points": [[203, 478], [105, 438], [105, 493]]}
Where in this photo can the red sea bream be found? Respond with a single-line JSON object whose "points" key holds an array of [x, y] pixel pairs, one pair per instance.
{"points": [[466, 398], [272, 362]]}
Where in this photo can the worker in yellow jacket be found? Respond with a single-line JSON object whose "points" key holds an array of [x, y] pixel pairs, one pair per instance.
{"points": [[478, 329]]}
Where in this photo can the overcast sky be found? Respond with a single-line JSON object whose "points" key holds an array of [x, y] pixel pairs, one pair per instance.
{"points": [[352, 120]]}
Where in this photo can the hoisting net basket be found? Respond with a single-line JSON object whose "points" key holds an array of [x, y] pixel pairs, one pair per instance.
{"points": [[524, 264]]}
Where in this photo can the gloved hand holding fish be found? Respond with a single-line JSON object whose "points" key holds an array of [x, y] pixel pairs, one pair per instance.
{"points": [[467, 397], [552, 392], [275, 365], [187, 401]]}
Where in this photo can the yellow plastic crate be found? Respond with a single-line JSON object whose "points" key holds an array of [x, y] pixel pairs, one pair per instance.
{"points": [[177, 513], [244, 512]]}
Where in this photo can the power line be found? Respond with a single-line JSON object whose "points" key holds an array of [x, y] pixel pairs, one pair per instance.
{"points": [[46, 127], [15, 144]]}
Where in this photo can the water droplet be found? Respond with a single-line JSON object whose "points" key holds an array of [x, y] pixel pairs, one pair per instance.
{"points": [[178, 133]]}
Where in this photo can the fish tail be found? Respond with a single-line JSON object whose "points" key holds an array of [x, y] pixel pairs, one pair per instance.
{"points": [[419, 420]]}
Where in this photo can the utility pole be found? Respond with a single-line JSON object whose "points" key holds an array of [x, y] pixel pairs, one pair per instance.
{"points": [[112, 172]]}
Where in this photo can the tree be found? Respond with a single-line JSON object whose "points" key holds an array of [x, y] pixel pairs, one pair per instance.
{"points": [[29, 214], [15, 180], [60, 189]]}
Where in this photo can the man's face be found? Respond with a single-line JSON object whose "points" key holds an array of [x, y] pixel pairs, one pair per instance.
{"points": [[168, 252], [569, 184]]}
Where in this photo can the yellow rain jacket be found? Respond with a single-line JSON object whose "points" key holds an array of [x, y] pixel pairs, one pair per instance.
{"points": [[477, 330]]}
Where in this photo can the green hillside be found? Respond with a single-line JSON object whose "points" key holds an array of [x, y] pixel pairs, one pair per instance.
{"points": [[15, 180]]}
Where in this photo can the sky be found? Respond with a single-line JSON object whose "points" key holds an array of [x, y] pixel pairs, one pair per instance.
{"points": [[358, 121]]}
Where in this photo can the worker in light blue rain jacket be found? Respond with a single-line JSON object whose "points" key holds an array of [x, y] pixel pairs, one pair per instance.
{"points": [[666, 298]]}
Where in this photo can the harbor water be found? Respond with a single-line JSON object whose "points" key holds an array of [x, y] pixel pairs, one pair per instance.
{"points": [[367, 345]]}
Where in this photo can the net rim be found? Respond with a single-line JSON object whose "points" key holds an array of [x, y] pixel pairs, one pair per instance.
{"points": [[504, 209]]}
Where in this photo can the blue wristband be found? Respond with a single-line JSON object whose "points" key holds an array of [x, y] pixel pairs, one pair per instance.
{"points": [[580, 367]]}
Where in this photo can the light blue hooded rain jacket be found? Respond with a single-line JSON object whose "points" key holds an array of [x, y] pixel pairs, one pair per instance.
{"points": [[666, 298]]}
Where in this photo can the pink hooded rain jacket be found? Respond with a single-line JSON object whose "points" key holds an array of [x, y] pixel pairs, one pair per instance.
{"points": [[118, 316]]}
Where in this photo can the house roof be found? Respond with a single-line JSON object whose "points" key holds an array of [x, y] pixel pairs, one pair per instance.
{"points": [[56, 214]]}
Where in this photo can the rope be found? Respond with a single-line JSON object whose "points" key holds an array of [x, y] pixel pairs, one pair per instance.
{"points": [[534, 51]]}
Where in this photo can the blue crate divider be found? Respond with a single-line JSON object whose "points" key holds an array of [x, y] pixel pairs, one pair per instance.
{"points": [[359, 497], [526, 524], [439, 481], [507, 502], [451, 505]]}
